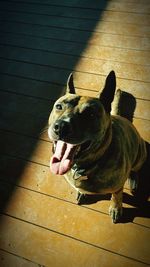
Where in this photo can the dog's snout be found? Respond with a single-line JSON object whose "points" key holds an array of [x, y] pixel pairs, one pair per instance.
{"points": [[61, 128]]}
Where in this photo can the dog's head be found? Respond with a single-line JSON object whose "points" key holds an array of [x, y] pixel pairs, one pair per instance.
{"points": [[77, 121]]}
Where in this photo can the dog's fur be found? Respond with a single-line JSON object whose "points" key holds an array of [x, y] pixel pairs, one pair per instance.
{"points": [[106, 148]]}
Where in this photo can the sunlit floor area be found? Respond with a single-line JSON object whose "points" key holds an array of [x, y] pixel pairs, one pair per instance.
{"points": [[41, 43]]}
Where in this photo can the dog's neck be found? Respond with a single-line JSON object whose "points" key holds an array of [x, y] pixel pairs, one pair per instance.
{"points": [[87, 161]]}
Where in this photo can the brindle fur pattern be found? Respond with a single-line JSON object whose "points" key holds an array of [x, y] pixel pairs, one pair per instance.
{"points": [[116, 147]]}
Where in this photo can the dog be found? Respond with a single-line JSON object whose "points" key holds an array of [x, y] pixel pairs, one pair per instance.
{"points": [[95, 151]]}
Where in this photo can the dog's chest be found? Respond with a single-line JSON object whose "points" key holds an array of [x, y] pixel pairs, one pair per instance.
{"points": [[99, 181]]}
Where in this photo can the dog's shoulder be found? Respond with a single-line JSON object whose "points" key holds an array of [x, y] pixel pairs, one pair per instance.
{"points": [[127, 139], [121, 126]]}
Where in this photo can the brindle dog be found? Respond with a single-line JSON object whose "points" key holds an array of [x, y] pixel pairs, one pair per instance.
{"points": [[95, 151]]}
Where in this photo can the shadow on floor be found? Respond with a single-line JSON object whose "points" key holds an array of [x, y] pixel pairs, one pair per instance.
{"points": [[139, 207], [29, 78]]}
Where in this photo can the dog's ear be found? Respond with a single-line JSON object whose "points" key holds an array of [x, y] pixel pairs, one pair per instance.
{"points": [[107, 94], [70, 85]]}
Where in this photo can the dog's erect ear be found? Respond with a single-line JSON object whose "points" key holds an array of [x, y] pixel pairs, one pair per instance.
{"points": [[70, 85], [107, 94]]}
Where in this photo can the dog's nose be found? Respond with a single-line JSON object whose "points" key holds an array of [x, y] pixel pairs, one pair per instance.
{"points": [[61, 128]]}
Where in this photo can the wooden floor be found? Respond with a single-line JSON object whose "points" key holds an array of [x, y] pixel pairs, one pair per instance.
{"points": [[41, 42]]}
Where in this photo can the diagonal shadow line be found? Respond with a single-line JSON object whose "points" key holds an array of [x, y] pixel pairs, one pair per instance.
{"points": [[28, 114]]}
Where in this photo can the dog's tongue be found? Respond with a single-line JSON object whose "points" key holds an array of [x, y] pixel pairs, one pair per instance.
{"points": [[61, 161]]}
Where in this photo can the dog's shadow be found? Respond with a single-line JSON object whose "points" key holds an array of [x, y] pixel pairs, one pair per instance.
{"points": [[139, 207], [124, 104]]}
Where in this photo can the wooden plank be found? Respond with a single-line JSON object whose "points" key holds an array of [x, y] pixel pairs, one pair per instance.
{"points": [[30, 87], [10, 260], [96, 82], [76, 12], [22, 104], [49, 90], [32, 71], [38, 178], [77, 36], [46, 247], [24, 124], [59, 75], [25, 147], [66, 218], [144, 2], [123, 70], [126, 17], [142, 110], [50, 60], [73, 23], [138, 94], [129, 7], [115, 5], [143, 127], [53, 56], [85, 64], [24, 114]]}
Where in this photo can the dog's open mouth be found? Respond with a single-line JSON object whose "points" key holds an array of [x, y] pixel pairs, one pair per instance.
{"points": [[64, 155]]}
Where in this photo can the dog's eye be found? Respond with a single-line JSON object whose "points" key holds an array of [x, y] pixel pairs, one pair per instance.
{"points": [[58, 106]]}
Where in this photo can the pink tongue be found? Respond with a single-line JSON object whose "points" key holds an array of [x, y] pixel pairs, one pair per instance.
{"points": [[61, 161]]}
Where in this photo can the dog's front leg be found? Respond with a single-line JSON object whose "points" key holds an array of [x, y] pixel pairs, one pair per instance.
{"points": [[80, 198], [115, 209]]}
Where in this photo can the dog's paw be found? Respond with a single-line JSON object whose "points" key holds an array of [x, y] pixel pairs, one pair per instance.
{"points": [[81, 198], [115, 214]]}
